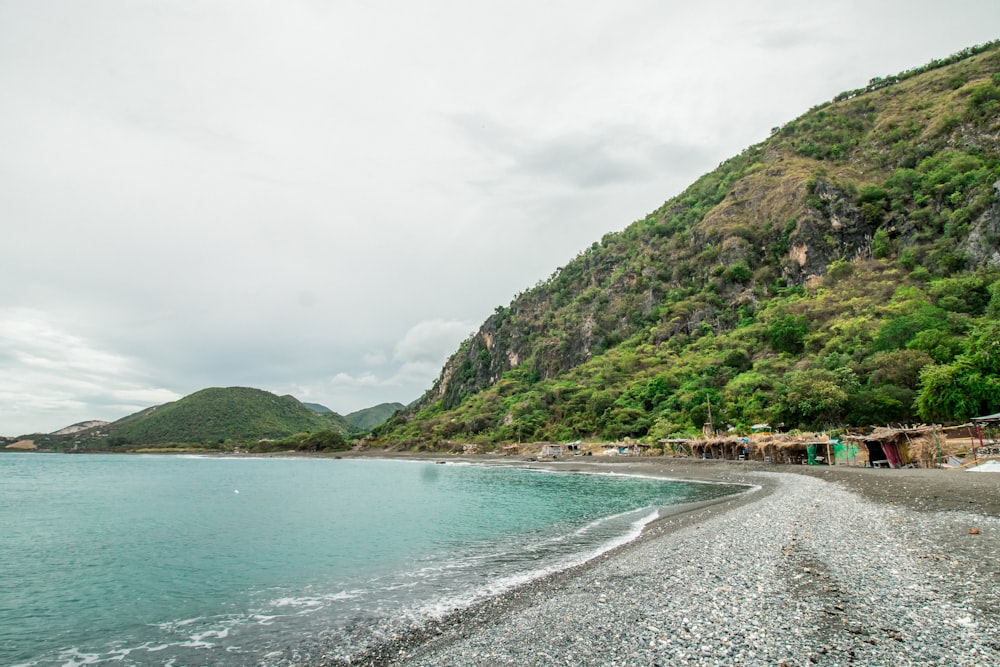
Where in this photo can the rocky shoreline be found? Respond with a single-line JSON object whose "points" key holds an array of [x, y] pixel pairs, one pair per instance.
{"points": [[830, 567]]}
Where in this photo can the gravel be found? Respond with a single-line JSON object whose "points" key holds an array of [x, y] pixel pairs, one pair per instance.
{"points": [[800, 572]]}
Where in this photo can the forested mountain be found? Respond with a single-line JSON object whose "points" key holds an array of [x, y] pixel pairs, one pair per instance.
{"points": [[844, 271], [218, 414], [210, 418]]}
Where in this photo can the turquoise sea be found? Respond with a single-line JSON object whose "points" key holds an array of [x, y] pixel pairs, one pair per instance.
{"points": [[187, 560]]}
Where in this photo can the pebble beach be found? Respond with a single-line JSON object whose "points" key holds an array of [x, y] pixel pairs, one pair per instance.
{"points": [[831, 567]]}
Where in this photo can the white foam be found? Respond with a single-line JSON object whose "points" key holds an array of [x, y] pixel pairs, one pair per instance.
{"points": [[213, 634], [443, 606], [263, 619], [297, 602], [74, 658], [312, 601]]}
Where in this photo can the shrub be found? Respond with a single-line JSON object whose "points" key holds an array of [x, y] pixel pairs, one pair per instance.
{"points": [[787, 334]]}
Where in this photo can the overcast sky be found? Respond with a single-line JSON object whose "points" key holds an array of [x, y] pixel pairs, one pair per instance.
{"points": [[324, 198]]}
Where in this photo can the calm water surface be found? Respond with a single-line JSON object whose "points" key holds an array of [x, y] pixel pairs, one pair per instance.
{"points": [[171, 560]]}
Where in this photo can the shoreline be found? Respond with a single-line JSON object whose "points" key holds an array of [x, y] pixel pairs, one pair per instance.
{"points": [[824, 579]]}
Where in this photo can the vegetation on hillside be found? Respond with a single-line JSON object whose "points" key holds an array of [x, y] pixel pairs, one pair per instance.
{"points": [[844, 271], [214, 418], [217, 415]]}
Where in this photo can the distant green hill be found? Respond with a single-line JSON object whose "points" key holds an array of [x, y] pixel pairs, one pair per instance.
{"points": [[369, 418], [217, 415], [366, 419]]}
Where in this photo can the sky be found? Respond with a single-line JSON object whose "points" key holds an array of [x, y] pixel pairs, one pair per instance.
{"points": [[323, 198]]}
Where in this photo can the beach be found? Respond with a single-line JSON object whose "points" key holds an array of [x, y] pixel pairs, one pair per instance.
{"points": [[813, 566]]}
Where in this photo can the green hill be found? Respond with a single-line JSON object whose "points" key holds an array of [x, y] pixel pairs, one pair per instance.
{"points": [[217, 415], [844, 271], [369, 418]]}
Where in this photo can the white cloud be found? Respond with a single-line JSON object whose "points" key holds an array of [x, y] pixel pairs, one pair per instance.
{"points": [[271, 194], [416, 360], [374, 358], [53, 378], [432, 341], [348, 382]]}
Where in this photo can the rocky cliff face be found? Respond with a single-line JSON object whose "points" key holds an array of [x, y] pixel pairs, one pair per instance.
{"points": [[80, 426], [983, 242]]}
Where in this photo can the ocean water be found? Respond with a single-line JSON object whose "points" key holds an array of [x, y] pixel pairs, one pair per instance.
{"points": [[177, 560]]}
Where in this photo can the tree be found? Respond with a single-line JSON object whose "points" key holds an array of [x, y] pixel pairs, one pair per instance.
{"points": [[984, 348], [941, 346], [811, 398], [881, 244], [895, 334], [787, 334], [899, 367], [747, 397], [879, 405], [967, 387], [738, 273], [948, 392], [324, 440], [625, 422]]}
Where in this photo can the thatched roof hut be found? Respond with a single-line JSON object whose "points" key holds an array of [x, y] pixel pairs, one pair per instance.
{"points": [[784, 448], [899, 447], [719, 447]]}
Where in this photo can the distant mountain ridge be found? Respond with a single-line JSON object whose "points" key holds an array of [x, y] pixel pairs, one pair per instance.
{"points": [[215, 416], [369, 418], [366, 418], [207, 418]]}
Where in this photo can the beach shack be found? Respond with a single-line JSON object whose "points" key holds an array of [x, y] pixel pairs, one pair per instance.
{"points": [[810, 452], [900, 447], [792, 449], [986, 436], [884, 449], [552, 451], [764, 446], [848, 453], [676, 446], [799, 451], [720, 447], [628, 448], [705, 449]]}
